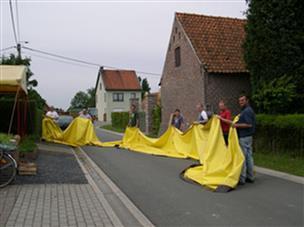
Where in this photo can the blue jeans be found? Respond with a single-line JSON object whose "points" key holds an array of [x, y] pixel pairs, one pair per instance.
{"points": [[247, 171]]}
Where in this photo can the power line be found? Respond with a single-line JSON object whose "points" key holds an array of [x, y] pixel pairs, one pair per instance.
{"points": [[82, 61], [17, 19], [57, 60], [7, 48], [13, 21]]}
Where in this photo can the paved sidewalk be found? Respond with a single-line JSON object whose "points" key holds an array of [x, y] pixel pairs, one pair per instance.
{"points": [[85, 204]]}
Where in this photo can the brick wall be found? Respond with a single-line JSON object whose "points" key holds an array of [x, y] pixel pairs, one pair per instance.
{"points": [[181, 87], [227, 87]]}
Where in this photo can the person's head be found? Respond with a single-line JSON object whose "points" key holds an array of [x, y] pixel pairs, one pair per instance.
{"points": [[133, 108], [199, 107], [52, 108], [243, 101], [84, 111], [177, 112], [222, 105]]}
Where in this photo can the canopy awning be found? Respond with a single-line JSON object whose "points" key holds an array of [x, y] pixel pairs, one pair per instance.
{"points": [[12, 78]]}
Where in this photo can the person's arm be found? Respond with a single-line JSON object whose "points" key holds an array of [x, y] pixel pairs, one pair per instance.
{"points": [[235, 125]]}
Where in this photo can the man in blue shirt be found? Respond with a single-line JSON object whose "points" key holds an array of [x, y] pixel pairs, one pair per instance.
{"points": [[246, 128]]}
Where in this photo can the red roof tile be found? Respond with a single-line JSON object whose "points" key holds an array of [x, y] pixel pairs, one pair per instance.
{"points": [[120, 80], [216, 40]]}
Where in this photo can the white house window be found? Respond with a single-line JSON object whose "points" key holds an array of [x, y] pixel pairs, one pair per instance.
{"points": [[118, 97], [133, 95], [100, 86]]}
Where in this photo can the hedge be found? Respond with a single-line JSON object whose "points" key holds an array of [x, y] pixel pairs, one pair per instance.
{"points": [[34, 117], [121, 120], [280, 134]]}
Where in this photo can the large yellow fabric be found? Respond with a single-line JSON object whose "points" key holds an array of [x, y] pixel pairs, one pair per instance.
{"points": [[221, 165], [80, 132]]}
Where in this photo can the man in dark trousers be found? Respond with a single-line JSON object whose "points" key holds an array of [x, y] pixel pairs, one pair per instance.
{"points": [[133, 117], [246, 128]]}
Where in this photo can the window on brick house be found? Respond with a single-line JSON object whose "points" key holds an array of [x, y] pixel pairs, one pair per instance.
{"points": [[177, 56]]}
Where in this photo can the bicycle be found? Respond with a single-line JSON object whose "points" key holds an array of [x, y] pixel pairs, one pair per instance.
{"points": [[8, 165]]}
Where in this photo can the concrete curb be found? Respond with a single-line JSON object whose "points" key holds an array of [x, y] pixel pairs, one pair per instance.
{"points": [[113, 217], [109, 131], [282, 175], [140, 217]]}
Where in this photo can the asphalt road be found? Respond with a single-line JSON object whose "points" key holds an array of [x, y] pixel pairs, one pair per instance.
{"points": [[154, 186]]}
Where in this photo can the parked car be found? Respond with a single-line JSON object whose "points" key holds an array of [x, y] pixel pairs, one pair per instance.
{"points": [[93, 112], [64, 121]]}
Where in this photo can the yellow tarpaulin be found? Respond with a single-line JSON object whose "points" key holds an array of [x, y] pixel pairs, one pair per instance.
{"points": [[221, 165], [80, 132]]}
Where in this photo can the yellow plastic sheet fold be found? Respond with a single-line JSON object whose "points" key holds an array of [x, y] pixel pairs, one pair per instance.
{"points": [[80, 132]]}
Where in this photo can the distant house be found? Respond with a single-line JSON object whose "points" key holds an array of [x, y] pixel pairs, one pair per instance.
{"points": [[204, 63], [115, 90]]}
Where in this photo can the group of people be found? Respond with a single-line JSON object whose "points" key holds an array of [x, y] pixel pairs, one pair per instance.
{"points": [[245, 128], [53, 114]]}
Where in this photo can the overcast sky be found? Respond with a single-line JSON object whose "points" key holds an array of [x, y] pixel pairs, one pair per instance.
{"points": [[123, 34]]}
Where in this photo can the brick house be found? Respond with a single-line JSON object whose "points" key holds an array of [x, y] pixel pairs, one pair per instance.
{"points": [[115, 90], [204, 63]]}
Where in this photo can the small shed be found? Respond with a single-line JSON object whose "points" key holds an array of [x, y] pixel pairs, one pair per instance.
{"points": [[13, 81]]}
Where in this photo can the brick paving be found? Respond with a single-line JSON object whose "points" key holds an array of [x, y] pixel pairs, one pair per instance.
{"points": [[54, 205], [65, 203]]}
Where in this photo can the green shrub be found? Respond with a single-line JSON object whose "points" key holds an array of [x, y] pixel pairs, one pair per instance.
{"points": [[156, 119], [120, 119], [27, 144], [5, 139], [280, 134]]}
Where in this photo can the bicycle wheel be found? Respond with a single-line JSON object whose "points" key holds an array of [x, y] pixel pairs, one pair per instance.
{"points": [[8, 170]]}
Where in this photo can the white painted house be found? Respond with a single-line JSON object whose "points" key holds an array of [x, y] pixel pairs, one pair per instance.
{"points": [[114, 91]]}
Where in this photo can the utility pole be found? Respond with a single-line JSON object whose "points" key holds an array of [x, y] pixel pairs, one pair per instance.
{"points": [[19, 51]]}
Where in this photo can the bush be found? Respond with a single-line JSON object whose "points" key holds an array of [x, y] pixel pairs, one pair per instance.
{"points": [[120, 119], [27, 144], [5, 139], [156, 119], [280, 134]]}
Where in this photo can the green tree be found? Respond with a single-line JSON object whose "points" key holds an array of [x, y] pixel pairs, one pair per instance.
{"points": [[145, 87], [274, 48], [80, 100], [91, 94]]}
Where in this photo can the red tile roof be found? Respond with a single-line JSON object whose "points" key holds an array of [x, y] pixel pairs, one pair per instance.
{"points": [[216, 40], [120, 80]]}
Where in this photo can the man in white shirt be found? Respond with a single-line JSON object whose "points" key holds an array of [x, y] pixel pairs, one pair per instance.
{"points": [[202, 117], [52, 114], [84, 114]]}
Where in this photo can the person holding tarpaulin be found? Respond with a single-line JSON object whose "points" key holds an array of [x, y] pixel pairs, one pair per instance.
{"points": [[203, 116], [177, 119], [224, 114], [246, 128], [133, 117]]}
